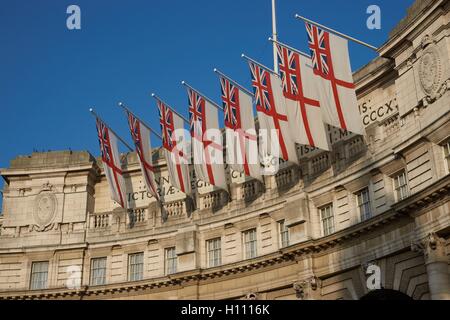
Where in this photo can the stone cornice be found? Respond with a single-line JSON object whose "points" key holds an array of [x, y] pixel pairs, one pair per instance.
{"points": [[411, 24]]}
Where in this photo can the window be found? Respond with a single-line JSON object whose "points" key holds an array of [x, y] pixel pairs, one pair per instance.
{"points": [[284, 234], [401, 186], [135, 266], [171, 260], [98, 271], [250, 243], [214, 252], [363, 201], [39, 275], [446, 147], [327, 218]]}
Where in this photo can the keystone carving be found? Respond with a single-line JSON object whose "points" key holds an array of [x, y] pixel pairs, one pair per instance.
{"points": [[304, 289], [251, 296]]}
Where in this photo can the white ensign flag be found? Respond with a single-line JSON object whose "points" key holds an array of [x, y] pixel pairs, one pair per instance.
{"points": [[302, 98], [175, 148], [337, 96], [111, 163], [241, 136], [207, 145]]}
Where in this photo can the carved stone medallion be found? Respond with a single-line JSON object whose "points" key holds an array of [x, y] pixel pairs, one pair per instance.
{"points": [[430, 70], [44, 210]]}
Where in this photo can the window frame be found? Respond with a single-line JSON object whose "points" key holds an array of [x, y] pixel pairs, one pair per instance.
{"points": [[446, 149], [216, 251], [252, 244], [92, 270], [132, 273], [33, 272], [398, 189], [283, 230], [365, 204], [328, 218], [170, 268]]}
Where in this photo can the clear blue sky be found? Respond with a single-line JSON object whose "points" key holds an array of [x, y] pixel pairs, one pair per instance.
{"points": [[50, 76]]}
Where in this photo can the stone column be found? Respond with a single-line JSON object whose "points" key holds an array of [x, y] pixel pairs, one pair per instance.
{"points": [[436, 261]]}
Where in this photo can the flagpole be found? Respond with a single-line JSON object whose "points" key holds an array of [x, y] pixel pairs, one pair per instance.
{"points": [[201, 94], [234, 82], [337, 32], [274, 35], [145, 125], [91, 110], [290, 48], [168, 106], [258, 63]]}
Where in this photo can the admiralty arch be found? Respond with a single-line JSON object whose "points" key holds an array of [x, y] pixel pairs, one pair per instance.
{"points": [[313, 231]]}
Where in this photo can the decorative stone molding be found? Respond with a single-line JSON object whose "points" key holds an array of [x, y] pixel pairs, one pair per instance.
{"points": [[304, 289], [432, 247], [47, 187]]}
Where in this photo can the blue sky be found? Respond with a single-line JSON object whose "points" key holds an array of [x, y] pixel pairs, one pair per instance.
{"points": [[50, 76]]}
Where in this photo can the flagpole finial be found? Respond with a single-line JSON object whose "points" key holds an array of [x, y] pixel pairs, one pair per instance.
{"points": [[215, 69], [91, 110], [120, 104], [270, 39], [242, 55], [183, 82], [152, 94], [296, 16]]}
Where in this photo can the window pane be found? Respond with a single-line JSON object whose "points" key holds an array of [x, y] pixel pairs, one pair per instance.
{"points": [[135, 266], [214, 252], [98, 271], [327, 220], [39, 275], [401, 186], [250, 243], [171, 260], [364, 207], [284, 234]]}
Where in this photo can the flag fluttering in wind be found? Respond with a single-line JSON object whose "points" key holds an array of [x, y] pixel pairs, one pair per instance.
{"points": [[331, 63], [241, 138], [302, 99], [271, 109], [207, 145], [141, 138], [175, 147], [111, 163]]}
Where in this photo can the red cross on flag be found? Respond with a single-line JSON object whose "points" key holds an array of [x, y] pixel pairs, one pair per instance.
{"points": [[337, 96], [241, 138], [207, 146], [141, 138], [302, 98], [271, 109], [111, 163], [175, 147]]}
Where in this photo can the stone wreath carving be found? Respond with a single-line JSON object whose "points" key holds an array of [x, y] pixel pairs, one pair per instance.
{"points": [[44, 212], [430, 69]]}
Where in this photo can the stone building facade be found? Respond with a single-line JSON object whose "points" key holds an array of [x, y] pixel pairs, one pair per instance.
{"points": [[314, 231]]}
